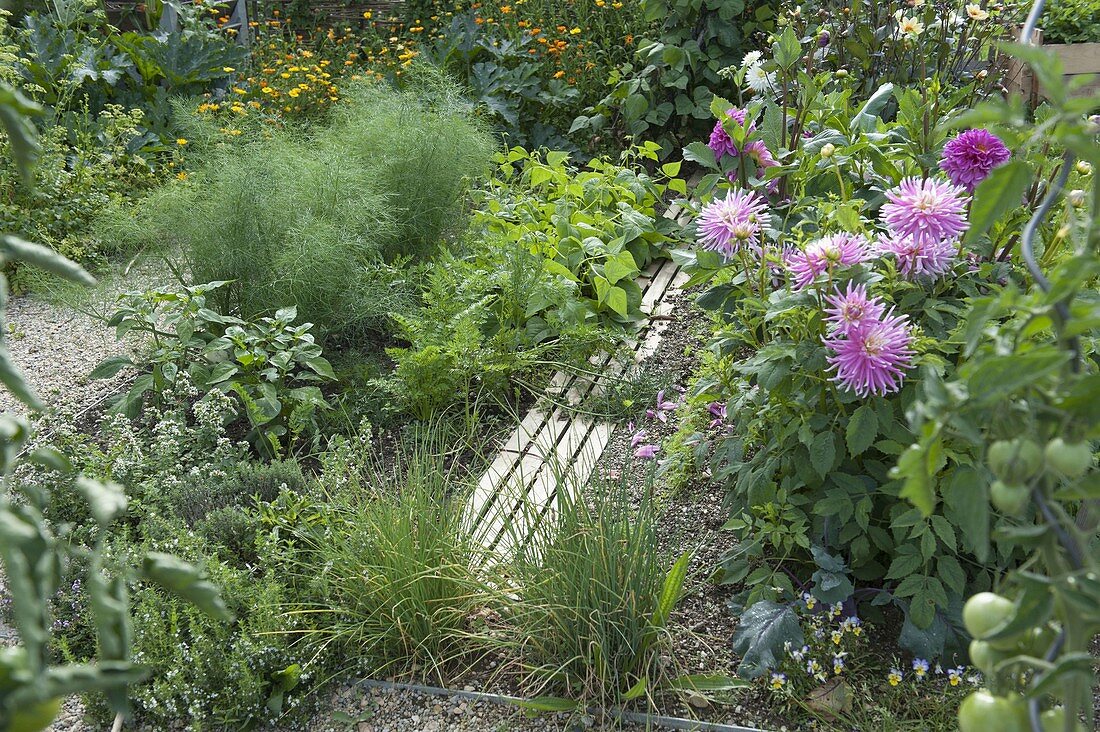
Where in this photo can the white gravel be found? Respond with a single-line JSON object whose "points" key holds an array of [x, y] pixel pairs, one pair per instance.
{"points": [[57, 348]]}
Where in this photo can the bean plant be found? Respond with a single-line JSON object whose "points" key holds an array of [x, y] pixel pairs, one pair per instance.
{"points": [[272, 367]]}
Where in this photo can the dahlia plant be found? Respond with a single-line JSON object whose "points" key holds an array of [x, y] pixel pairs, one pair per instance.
{"points": [[863, 246]]}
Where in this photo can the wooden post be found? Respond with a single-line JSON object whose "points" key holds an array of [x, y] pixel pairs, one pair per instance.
{"points": [[240, 18], [1018, 76]]}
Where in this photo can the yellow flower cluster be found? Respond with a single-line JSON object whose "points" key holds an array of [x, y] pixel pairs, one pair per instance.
{"points": [[299, 72]]}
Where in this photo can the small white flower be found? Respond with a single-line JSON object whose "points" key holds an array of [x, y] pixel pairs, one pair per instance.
{"points": [[751, 59], [758, 80], [910, 27]]}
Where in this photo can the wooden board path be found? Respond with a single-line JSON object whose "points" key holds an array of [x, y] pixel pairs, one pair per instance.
{"points": [[554, 448]]}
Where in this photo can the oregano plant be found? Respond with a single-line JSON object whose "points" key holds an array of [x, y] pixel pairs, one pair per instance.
{"points": [[35, 553]]}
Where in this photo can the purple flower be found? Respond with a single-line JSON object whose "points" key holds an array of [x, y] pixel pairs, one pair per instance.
{"points": [[928, 210], [720, 141], [664, 406], [822, 255], [718, 411], [971, 156], [638, 438], [760, 153], [727, 224], [852, 309], [916, 259], [871, 359], [646, 451]]}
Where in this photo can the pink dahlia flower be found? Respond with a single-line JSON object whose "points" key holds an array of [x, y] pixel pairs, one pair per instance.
{"points": [[928, 210], [971, 156], [727, 224], [852, 309], [720, 141], [760, 153], [918, 259], [822, 255], [872, 358]]}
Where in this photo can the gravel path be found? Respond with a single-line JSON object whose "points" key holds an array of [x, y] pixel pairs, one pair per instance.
{"points": [[700, 626], [57, 347]]}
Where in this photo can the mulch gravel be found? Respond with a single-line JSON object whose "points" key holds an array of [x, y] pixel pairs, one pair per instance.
{"points": [[57, 348]]}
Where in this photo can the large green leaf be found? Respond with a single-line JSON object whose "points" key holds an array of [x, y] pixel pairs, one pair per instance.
{"points": [[760, 635], [918, 466], [998, 376], [822, 452], [15, 109], [708, 682], [106, 499], [966, 503], [187, 582], [998, 194], [866, 120], [110, 366], [670, 591], [862, 430], [36, 255]]}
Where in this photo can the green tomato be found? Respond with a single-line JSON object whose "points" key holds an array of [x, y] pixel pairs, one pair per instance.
{"points": [[1054, 720], [1037, 641], [1071, 459], [983, 712], [1015, 461], [984, 612], [984, 656], [1009, 499], [35, 717]]}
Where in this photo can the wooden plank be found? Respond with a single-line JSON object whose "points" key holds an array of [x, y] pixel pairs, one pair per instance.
{"points": [[557, 471], [546, 465], [548, 451], [1077, 58], [533, 422]]}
